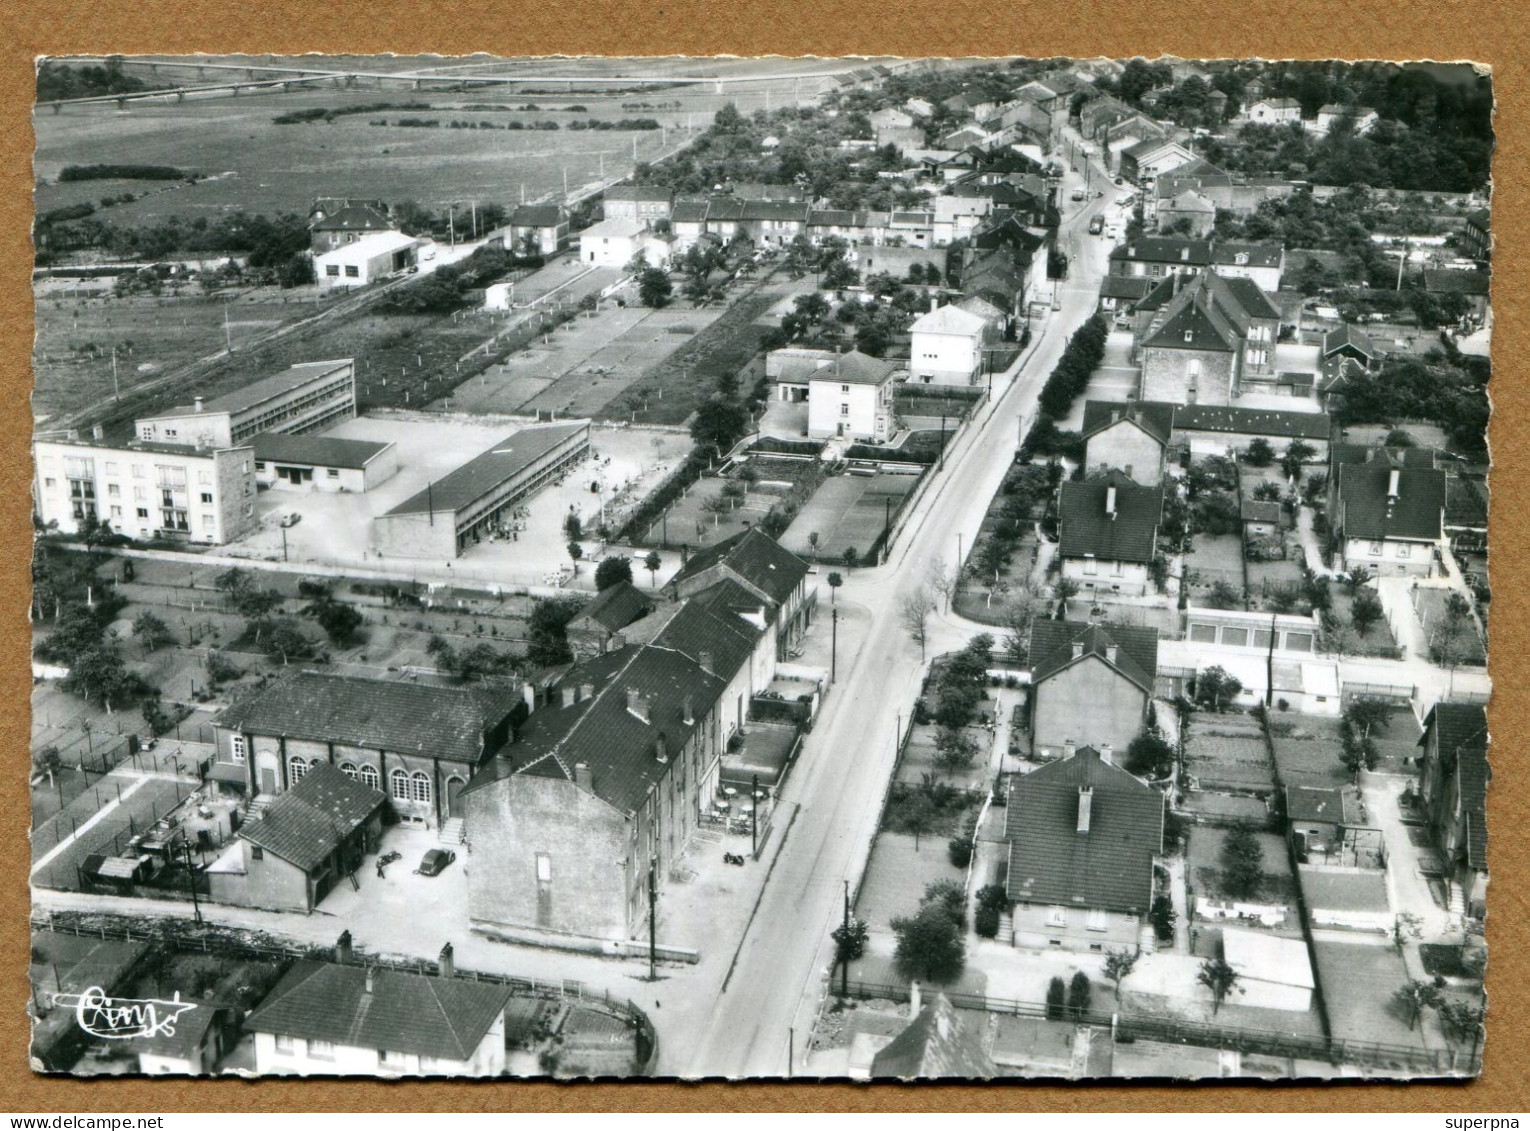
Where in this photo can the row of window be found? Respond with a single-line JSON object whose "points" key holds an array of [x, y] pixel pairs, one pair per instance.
{"points": [[1094, 917], [325, 1050], [1245, 637]]}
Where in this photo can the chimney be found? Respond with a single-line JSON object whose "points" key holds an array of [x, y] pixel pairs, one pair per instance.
{"points": [[197, 403], [1184, 253], [660, 748], [1085, 799], [447, 962], [617, 643], [934, 304], [915, 999], [1110, 500], [529, 693], [1069, 748], [343, 948], [367, 986], [1393, 483], [570, 695], [704, 658], [586, 691], [637, 703], [1106, 755], [1111, 652], [1078, 649], [583, 778], [687, 711]]}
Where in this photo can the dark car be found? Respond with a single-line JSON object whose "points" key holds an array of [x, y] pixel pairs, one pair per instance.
{"points": [[434, 862]]}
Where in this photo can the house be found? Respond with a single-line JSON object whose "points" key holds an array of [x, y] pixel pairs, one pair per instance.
{"points": [[368, 259], [1315, 821], [595, 800], [772, 222], [417, 743], [612, 242], [1202, 336], [1275, 111], [538, 229], [145, 490], [1083, 834], [890, 117], [324, 1018], [1151, 157], [907, 140], [1108, 534], [1237, 193], [306, 397], [965, 136], [345, 223], [1100, 113], [920, 108], [1119, 293], [852, 397], [1274, 972], [598, 626], [1090, 685], [969, 104], [1389, 518], [1453, 778], [1471, 286], [1120, 136], [1362, 118], [1261, 518], [946, 346], [1000, 280], [639, 204], [771, 574], [193, 1046], [1475, 238], [1349, 341], [309, 839], [1264, 263], [1129, 437], [322, 463], [1189, 214], [1158, 256], [939, 1044]]}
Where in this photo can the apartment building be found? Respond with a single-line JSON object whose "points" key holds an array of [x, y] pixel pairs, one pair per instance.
{"points": [[307, 397]]}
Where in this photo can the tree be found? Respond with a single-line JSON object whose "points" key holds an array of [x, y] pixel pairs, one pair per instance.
{"points": [[1225, 595], [1260, 453], [1365, 610], [1356, 578], [959, 851], [546, 635], [835, 581], [1453, 629], [850, 557], [917, 813], [1079, 994], [654, 287], [232, 581], [813, 541], [1218, 977], [955, 749], [849, 943], [613, 571], [284, 642], [220, 669], [1163, 917], [1065, 589], [1242, 864], [652, 562], [943, 580], [914, 614], [152, 708], [572, 526], [1118, 967], [1461, 1022], [1297, 453], [152, 632], [575, 551], [99, 674], [1215, 688], [1150, 755], [1057, 999], [719, 423], [931, 948], [338, 619], [1414, 997], [951, 897]]}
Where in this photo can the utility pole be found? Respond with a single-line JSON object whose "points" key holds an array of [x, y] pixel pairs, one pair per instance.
{"points": [[942, 441], [886, 527], [1269, 666], [451, 223], [833, 644], [653, 918], [754, 817], [116, 389], [228, 340], [191, 879]]}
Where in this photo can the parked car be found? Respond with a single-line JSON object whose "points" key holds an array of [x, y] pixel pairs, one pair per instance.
{"points": [[434, 862], [1078, 194], [292, 518]]}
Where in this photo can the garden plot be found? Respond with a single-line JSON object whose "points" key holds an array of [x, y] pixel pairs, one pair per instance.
{"points": [[1226, 752], [896, 875], [1457, 643], [1378, 639], [1358, 980], [1214, 558], [921, 758], [1307, 749], [848, 512], [1277, 888]]}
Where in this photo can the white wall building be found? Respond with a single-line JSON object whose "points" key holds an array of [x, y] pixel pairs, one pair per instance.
{"points": [[366, 261], [947, 347], [852, 397], [1273, 972], [612, 243], [305, 398]]}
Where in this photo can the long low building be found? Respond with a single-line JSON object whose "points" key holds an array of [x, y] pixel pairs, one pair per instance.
{"points": [[304, 398], [369, 259], [322, 463], [451, 513]]}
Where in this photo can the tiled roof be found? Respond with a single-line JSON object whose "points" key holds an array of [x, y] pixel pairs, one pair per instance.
{"points": [[1259, 510], [1348, 335], [1164, 249], [1084, 529], [1108, 867], [320, 451], [1456, 282], [1052, 642], [416, 1014], [488, 470], [1194, 322], [616, 606], [259, 392], [756, 558], [774, 210], [309, 821], [1367, 512], [1259, 254], [353, 218], [619, 749], [689, 212], [1132, 287], [1251, 421], [856, 368], [616, 228], [1190, 201], [939, 1044], [650, 194], [1156, 418], [711, 622], [538, 216], [987, 311], [377, 714], [1462, 732], [1309, 803], [1255, 301]]}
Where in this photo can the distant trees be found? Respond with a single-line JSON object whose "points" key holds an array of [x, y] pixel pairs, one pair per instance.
{"points": [[340, 620], [471, 664]]}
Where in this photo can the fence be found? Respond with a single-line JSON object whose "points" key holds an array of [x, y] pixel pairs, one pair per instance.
{"points": [[177, 934]]}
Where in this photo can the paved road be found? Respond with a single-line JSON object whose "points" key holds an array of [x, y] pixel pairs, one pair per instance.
{"points": [[775, 988]]}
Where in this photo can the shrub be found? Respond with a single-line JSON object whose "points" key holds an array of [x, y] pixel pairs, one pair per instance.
{"points": [[950, 897], [1079, 993], [1163, 917], [993, 895], [959, 849], [985, 921], [1057, 999]]}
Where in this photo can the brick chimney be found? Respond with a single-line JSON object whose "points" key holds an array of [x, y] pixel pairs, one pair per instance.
{"points": [[570, 695], [915, 999], [1110, 500], [197, 403], [583, 778], [367, 985], [660, 748], [1078, 649], [529, 693], [1085, 802], [447, 962], [1111, 652], [687, 711], [1106, 754], [586, 691], [637, 703], [1394, 484], [343, 948]]}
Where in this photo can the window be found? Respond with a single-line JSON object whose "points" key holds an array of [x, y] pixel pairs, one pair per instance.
{"points": [[145, 433], [352, 271], [419, 787], [332, 472], [1189, 335], [398, 785], [544, 868], [1237, 637], [348, 769], [321, 1050], [207, 497], [1404, 550], [260, 465], [1057, 917], [50, 482], [141, 494], [332, 270], [204, 477], [113, 490], [1203, 633], [1194, 368], [368, 775], [170, 433], [1375, 549], [844, 410], [1095, 921], [844, 388], [1091, 566], [296, 768], [209, 522], [284, 1044], [257, 853], [1261, 638], [1298, 642], [386, 1056], [235, 742]]}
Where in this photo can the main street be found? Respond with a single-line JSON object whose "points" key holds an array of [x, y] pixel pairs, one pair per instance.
{"points": [[765, 1012]]}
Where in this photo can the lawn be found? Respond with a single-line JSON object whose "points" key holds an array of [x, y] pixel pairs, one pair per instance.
{"points": [[1358, 981], [689, 522], [1307, 749], [1378, 639], [1277, 887], [1214, 558], [1466, 645], [919, 760], [847, 512], [897, 874]]}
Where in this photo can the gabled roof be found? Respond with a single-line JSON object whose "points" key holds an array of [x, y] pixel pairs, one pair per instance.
{"points": [[417, 1014], [712, 624], [1367, 513], [1156, 418], [538, 216], [257, 392], [616, 606], [755, 558], [1164, 249], [1194, 322], [1132, 287], [1053, 641], [1189, 201], [650, 194], [1260, 254], [856, 368], [489, 469], [1110, 866], [308, 822], [1461, 730], [354, 218], [1348, 335], [379, 714], [620, 750], [1466, 503], [774, 210], [1255, 301], [1149, 146], [987, 311], [1280, 103], [1085, 529], [948, 320], [939, 1044], [688, 212]]}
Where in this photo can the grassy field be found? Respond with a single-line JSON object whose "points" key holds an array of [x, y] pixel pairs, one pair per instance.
{"points": [[848, 511]]}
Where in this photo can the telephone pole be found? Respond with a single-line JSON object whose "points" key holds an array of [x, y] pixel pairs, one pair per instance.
{"points": [[653, 918], [191, 879], [844, 964], [833, 643]]}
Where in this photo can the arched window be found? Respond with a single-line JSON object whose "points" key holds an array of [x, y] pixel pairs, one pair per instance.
{"points": [[398, 785], [368, 775], [296, 768], [348, 769], [419, 787]]}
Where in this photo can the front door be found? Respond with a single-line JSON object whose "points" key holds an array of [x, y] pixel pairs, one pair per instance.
{"points": [[453, 789]]}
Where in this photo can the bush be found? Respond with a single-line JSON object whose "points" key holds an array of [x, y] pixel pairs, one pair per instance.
{"points": [[950, 897], [1079, 993], [985, 921], [1057, 999], [959, 849], [1163, 917], [993, 895]]}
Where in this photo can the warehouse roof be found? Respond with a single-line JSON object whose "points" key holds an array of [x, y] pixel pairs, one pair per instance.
{"points": [[488, 470], [319, 451]]}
